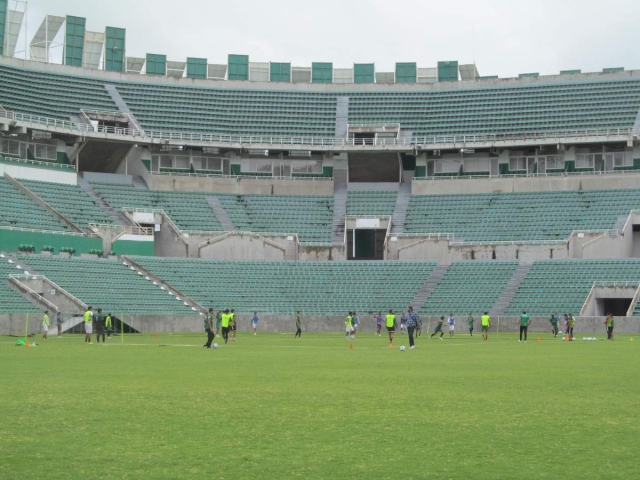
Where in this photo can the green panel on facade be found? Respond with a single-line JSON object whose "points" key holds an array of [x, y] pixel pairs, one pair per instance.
{"points": [[132, 247], [364, 72], [3, 23], [196, 67], [420, 172], [280, 72], [570, 72], [613, 70], [74, 41], [114, 49], [406, 72], [321, 72], [10, 240], [448, 71], [529, 75], [238, 68], [156, 64]]}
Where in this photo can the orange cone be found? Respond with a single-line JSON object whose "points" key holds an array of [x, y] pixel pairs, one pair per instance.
{"points": [[391, 345], [351, 345], [539, 339]]}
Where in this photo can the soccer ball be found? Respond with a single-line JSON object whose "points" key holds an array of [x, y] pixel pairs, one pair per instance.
{"points": [[402, 348], [215, 345]]}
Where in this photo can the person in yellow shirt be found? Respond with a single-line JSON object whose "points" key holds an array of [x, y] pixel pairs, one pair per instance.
{"points": [[390, 322], [485, 324], [224, 322], [88, 326], [45, 324], [233, 325]]}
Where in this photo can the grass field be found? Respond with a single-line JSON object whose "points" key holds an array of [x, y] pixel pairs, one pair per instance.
{"points": [[274, 407]]}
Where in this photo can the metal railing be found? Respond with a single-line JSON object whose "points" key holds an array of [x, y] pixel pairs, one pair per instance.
{"points": [[128, 229], [631, 284], [250, 177], [527, 175], [418, 142], [45, 163], [37, 230]]}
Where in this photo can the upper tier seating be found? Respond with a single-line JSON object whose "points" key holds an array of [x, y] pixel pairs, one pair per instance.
{"points": [[518, 216], [310, 217], [469, 287], [106, 284], [371, 203], [188, 210], [18, 210], [10, 300], [563, 285], [315, 288], [51, 95], [69, 200]]}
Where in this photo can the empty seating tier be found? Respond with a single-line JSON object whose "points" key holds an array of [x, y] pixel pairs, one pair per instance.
{"points": [[371, 203], [18, 210], [311, 217], [106, 284], [519, 216], [315, 288], [469, 287], [10, 300], [563, 285], [69, 200]]}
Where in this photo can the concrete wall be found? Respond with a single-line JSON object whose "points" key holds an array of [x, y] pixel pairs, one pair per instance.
{"points": [[322, 254], [66, 176], [239, 186], [246, 247], [167, 243], [521, 184], [132, 164]]}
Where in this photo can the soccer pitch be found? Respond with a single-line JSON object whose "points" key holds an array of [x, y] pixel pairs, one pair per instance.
{"points": [[273, 407]]}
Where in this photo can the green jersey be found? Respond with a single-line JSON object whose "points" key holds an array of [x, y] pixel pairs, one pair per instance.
{"points": [[610, 322], [208, 321], [107, 321], [349, 321], [524, 320], [298, 324], [439, 325], [391, 320], [470, 320], [572, 322], [87, 316], [554, 320], [45, 321], [486, 319]]}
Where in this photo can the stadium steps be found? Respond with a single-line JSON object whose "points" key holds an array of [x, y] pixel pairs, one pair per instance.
{"points": [[402, 203], [339, 212], [195, 306], [121, 104], [621, 222], [41, 202], [342, 116], [220, 212], [510, 290], [117, 217], [421, 296]]}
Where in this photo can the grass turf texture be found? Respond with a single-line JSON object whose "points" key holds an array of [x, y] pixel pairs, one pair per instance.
{"points": [[274, 407]]}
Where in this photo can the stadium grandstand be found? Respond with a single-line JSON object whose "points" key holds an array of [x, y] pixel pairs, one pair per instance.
{"points": [[158, 188]]}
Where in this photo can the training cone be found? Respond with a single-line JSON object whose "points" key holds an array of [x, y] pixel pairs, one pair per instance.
{"points": [[391, 345], [156, 334], [26, 344], [351, 345], [539, 339]]}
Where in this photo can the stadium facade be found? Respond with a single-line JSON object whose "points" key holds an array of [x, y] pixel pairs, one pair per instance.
{"points": [[302, 183]]}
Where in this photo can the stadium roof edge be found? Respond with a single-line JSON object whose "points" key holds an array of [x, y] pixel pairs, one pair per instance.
{"points": [[116, 77]]}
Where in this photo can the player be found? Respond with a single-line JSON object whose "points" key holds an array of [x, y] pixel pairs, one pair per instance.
{"points": [[378, 323], [566, 322], [485, 322], [470, 321], [298, 326], [525, 320], [553, 320], [99, 322], [571, 323], [218, 322], [609, 323], [452, 324], [438, 329], [349, 326], [59, 321], [208, 327], [403, 322], [108, 324], [88, 328], [233, 326], [412, 324], [225, 320], [390, 322], [254, 322], [45, 325], [356, 323]]}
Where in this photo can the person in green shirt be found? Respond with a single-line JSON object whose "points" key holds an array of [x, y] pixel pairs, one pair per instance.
{"points": [[485, 324], [470, 322], [45, 325], [108, 323], [554, 324], [390, 322], [225, 321], [525, 320], [349, 326], [233, 325], [438, 329], [571, 323], [298, 326], [218, 322], [88, 327], [208, 327], [99, 322], [609, 323]]}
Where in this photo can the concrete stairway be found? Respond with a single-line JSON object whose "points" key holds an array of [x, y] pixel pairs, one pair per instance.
{"points": [[342, 116], [510, 289], [621, 222], [421, 296], [339, 212], [402, 203], [223, 218], [118, 217], [121, 104]]}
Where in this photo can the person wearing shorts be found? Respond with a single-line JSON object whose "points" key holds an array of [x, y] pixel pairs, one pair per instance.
{"points": [[88, 328], [452, 324], [571, 323], [298, 326], [438, 329], [609, 323], [108, 324], [218, 322], [378, 323], [59, 321], [208, 327], [485, 323], [470, 321], [403, 322], [525, 320], [225, 321], [45, 324], [233, 325], [348, 323], [100, 324], [254, 322], [390, 322], [554, 324], [356, 322]]}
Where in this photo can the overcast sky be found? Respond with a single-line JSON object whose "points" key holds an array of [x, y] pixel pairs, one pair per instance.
{"points": [[504, 37]]}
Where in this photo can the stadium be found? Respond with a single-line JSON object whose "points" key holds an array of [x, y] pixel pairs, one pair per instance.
{"points": [[156, 189]]}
